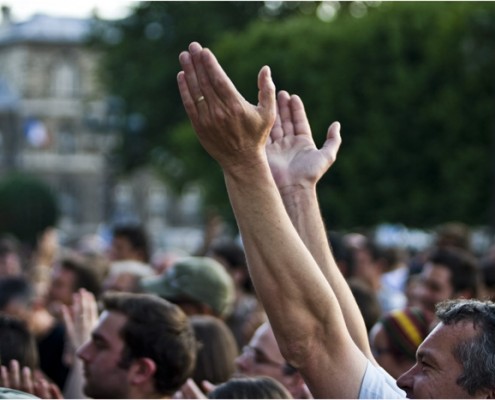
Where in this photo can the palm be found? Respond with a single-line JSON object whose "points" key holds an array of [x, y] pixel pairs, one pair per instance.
{"points": [[295, 160], [292, 154]]}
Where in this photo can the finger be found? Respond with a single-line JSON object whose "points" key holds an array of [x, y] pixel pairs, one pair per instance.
{"points": [[15, 374], [191, 391], [218, 81], [189, 68], [205, 87], [68, 319], [267, 103], [41, 389], [4, 374], [54, 391], [277, 130], [27, 380], [208, 386], [283, 101], [332, 144], [93, 308], [299, 118], [185, 94]]}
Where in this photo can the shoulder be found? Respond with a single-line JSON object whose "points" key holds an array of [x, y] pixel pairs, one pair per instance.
{"points": [[378, 384]]}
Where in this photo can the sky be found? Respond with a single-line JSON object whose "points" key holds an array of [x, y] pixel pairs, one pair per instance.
{"points": [[23, 9]]}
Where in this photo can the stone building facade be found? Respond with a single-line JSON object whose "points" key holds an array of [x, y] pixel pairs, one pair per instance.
{"points": [[53, 101], [54, 125]]}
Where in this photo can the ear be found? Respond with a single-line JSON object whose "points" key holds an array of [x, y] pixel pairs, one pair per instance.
{"points": [[142, 370]]}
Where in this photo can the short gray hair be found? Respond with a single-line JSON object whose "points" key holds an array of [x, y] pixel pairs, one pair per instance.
{"points": [[476, 355]]}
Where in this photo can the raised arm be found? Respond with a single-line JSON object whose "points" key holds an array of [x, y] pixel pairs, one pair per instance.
{"points": [[300, 303], [297, 165]]}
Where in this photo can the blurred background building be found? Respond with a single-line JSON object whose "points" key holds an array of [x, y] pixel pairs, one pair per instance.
{"points": [[55, 124]]}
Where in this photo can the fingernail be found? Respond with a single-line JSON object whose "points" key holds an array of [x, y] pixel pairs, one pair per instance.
{"points": [[194, 47]]}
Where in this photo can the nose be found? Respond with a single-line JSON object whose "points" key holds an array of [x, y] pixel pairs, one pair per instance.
{"points": [[242, 363], [82, 352], [405, 381]]}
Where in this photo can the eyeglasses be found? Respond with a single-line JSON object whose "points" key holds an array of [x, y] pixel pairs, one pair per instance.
{"points": [[259, 357]]}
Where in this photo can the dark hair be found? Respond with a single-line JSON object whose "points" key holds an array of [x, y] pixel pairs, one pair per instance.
{"points": [[17, 343], [464, 270], [232, 253], [367, 301], [86, 277], [488, 272], [136, 236], [9, 244], [15, 288], [159, 330], [217, 352], [342, 253], [476, 355], [260, 387]]}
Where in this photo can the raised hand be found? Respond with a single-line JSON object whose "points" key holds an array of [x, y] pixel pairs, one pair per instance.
{"points": [[23, 379], [231, 129], [79, 320], [294, 159]]}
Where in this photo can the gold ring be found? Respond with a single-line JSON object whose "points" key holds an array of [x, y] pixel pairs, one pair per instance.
{"points": [[200, 99]]}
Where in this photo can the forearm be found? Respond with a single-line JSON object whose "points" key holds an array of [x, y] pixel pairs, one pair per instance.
{"points": [[301, 306], [302, 207]]}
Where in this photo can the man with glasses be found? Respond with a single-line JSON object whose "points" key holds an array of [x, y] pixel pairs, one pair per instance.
{"points": [[261, 357]]}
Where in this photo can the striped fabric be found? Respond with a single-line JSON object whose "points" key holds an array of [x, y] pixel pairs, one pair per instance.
{"points": [[406, 329]]}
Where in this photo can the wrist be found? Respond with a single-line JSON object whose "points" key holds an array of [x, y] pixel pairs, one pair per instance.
{"points": [[298, 190], [246, 165]]}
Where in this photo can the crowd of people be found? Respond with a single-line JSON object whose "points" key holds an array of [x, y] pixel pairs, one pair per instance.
{"points": [[292, 310]]}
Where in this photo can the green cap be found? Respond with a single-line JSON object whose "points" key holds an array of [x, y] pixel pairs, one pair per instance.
{"points": [[7, 393], [201, 279]]}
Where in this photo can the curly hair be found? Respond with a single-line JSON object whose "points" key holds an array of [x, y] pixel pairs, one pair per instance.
{"points": [[476, 355]]}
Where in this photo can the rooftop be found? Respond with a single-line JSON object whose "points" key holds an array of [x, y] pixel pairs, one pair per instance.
{"points": [[44, 29]]}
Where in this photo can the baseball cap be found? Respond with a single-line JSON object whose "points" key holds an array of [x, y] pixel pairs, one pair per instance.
{"points": [[200, 279]]}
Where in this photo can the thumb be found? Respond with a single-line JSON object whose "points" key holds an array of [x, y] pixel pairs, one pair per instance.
{"points": [[266, 96], [208, 386], [332, 144]]}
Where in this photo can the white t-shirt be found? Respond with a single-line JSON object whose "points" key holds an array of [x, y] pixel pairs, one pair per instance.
{"points": [[378, 384]]}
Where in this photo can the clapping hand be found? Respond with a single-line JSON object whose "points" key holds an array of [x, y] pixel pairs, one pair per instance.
{"points": [[23, 379], [80, 319], [232, 130], [294, 159]]}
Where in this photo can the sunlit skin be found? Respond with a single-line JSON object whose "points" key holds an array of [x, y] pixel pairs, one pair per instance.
{"points": [[436, 371]]}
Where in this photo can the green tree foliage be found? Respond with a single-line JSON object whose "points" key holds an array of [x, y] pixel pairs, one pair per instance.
{"points": [[413, 87], [140, 64], [27, 208]]}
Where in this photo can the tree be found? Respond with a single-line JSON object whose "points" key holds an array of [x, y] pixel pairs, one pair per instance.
{"points": [[411, 84], [27, 208]]}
